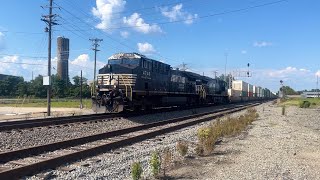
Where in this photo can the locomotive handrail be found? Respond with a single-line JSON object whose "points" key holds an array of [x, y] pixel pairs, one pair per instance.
{"points": [[120, 75]]}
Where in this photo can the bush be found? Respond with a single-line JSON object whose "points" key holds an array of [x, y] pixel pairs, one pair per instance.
{"points": [[206, 139], [166, 160], [207, 136], [304, 104], [155, 164], [182, 148], [136, 171]]}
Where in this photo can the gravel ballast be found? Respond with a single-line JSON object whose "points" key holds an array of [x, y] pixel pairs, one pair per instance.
{"points": [[117, 164], [276, 147], [18, 139]]}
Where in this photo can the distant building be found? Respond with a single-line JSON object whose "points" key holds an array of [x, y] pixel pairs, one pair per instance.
{"points": [[63, 58], [308, 94]]}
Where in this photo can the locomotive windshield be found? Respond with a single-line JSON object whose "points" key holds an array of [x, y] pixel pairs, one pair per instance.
{"points": [[134, 62]]}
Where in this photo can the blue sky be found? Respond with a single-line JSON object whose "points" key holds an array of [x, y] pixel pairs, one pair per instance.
{"points": [[279, 40]]}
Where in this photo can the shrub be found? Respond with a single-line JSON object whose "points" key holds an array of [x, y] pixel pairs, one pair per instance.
{"points": [[136, 171], [207, 136], [304, 104], [182, 148], [166, 160], [155, 164], [206, 139], [199, 150]]}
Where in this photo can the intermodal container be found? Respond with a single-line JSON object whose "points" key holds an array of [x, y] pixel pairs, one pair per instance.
{"points": [[240, 85], [250, 90]]}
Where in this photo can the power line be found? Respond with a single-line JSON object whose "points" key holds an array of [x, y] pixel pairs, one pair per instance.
{"points": [[8, 62]]}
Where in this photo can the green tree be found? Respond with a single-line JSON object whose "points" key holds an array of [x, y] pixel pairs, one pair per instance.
{"points": [[37, 88], [289, 91], [9, 86], [76, 87]]}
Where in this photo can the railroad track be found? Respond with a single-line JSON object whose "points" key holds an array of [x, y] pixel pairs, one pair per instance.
{"points": [[33, 123], [29, 161]]}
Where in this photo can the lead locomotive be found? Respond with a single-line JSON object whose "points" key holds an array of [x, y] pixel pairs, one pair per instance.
{"points": [[131, 81]]}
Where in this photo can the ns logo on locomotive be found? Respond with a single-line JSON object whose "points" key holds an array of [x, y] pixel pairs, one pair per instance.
{"points": [[131, 81]]}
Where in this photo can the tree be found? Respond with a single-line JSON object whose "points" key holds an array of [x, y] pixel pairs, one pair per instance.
{"points": [[36, 87], [289, 91], [9, 86], [76, 87], [225, 78]]}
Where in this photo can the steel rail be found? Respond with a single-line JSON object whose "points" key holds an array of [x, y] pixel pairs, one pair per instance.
{"points": [[71, 157], [32, 123]]}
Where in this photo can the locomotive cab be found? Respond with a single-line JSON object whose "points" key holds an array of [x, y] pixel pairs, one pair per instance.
{"points": [[115, 83]]}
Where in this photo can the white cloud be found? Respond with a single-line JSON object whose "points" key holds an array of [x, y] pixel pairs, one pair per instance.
{"points": [[83, 62], [288, 71], [17, 66], [177, 14], [138, 24], [106, 10], [2, 41], [243, 52], [145, 48], [262, 44], [124, 34], [318, 73]]}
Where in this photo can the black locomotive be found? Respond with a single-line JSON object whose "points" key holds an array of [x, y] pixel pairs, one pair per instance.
{"points": [[131, 81]]}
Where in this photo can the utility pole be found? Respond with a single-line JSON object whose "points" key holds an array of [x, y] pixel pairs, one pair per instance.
{"points": [[225, 67], [81, 106], [50, 21], [95, 44], [215, 74], [317, 86]]}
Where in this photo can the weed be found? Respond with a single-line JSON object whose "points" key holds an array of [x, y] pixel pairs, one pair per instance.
{"points": [[155, 164], [182, 148], [136, 171], [166, 160], [206, 139], [199, 150], [304, 104], [207, 136]]}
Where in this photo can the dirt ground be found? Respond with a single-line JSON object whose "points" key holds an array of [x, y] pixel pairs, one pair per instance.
{"points": [[274, 147], [15, 113]]}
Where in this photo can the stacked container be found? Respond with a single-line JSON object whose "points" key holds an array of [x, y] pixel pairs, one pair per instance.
{"points": [[260, 92], [240, 88], [250, 90], [255, 92]]}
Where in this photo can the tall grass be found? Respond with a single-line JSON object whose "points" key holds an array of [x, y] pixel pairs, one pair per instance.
{"points": [[207, 136]]}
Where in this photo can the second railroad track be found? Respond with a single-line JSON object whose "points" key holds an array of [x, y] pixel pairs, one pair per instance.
{"points": [[24, 162]]}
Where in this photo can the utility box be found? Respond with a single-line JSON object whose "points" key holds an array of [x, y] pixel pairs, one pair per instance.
{"points": [[46, 80]]}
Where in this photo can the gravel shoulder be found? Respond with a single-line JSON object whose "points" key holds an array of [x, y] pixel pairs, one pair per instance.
{"points": [[274, 147]]}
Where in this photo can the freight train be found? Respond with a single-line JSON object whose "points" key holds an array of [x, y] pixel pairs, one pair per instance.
{"points": [[131, 81]]}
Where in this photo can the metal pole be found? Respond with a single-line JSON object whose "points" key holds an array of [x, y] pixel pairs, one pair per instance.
{"points": [[81, 106], [317, 85], [95, 45], [95, 66], [49, 60], [225, 67]]}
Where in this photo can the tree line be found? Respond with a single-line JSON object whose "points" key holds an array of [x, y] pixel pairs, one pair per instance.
{"points": [[13, 86]]}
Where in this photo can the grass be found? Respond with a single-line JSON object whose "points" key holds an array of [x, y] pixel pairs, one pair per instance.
{"points": [[56, 103], [207, 136], [314, 102]]}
